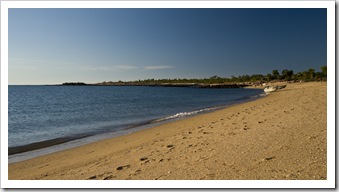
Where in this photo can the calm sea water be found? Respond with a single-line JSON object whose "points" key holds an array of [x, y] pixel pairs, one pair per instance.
{"points": [[47, 113]]}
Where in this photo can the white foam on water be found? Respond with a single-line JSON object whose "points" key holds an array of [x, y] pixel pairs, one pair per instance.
{"points": [[185, 114]]}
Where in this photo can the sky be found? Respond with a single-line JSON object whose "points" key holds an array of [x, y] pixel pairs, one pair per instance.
{"points": [[52, 46]]}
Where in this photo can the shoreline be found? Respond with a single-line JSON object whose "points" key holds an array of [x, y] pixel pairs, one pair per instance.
{"points": [[245, 141], [36, 149]]}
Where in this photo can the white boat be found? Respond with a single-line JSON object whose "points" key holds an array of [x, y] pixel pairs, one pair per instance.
{"points": [[269, 89], [281, 86]]}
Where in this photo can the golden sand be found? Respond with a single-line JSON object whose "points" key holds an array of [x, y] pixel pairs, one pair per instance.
{"points": [[281, 136]]}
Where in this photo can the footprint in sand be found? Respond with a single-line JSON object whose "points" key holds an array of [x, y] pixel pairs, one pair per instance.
{"points": [[269, 158], [93, 177], [122, 167]]}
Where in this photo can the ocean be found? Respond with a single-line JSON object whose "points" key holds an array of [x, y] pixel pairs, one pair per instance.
{"points": [[47, 116]]}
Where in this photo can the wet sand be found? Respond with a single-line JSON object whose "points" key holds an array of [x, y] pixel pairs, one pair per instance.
{"points": [[280, 137]]}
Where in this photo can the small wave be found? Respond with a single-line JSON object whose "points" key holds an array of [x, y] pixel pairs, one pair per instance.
{"points": [[184, 114], [259, 95]]}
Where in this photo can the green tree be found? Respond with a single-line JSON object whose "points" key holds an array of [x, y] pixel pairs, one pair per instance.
{"points": [[256, 77], [234, 78], [311, 73], [244, 78], [275, 74], [290, 74], [318, 75], [324, 70], [297, 76], [269, 77], [286, 74]]}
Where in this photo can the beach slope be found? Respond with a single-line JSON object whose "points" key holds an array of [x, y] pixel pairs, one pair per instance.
{"points": [[281, 136]]}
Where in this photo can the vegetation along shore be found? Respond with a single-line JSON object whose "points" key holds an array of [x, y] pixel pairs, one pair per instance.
{"points": [[221, 82]]}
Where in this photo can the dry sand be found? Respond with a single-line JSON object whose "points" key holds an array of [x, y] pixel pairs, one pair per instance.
{"points": [[281, 136]]}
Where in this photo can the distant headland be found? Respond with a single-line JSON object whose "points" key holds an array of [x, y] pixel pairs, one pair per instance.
{"points": [[74, 83], [158, 84]]}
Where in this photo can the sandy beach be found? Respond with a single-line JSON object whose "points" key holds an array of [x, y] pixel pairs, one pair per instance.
{"points": [[278, 137]]}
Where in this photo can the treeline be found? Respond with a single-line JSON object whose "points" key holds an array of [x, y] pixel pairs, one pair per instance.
{"points": [[285, 75], [308, 75]]}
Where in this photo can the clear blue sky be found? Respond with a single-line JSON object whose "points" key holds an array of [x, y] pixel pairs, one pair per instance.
{"points": [[48, 46]]}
